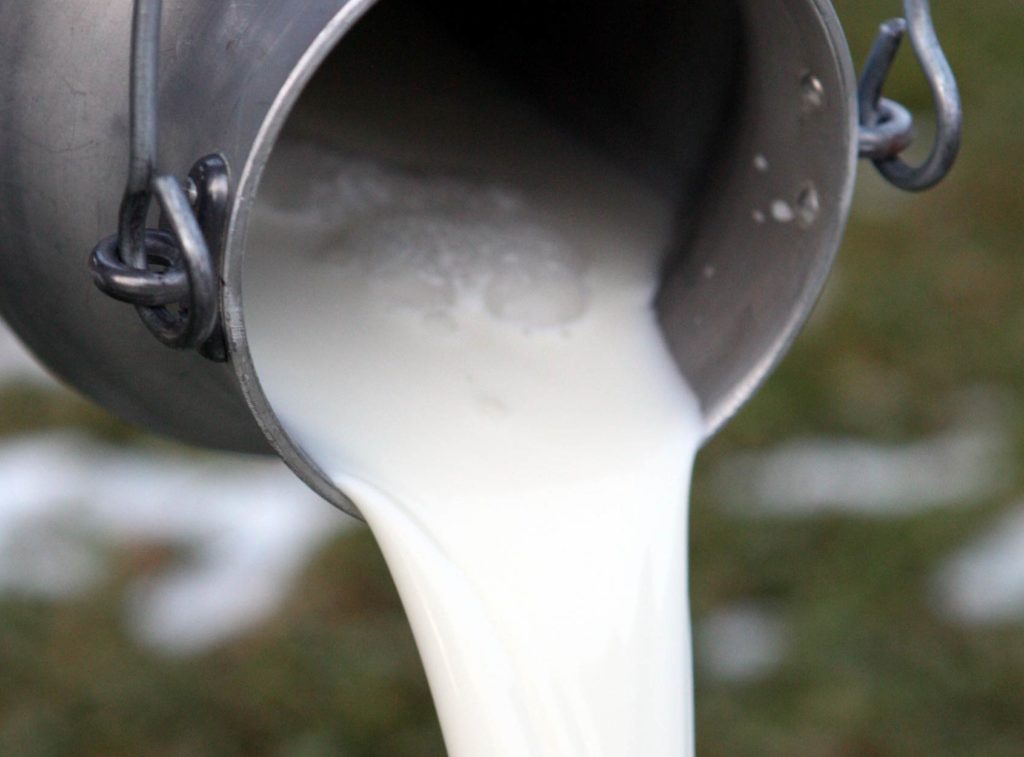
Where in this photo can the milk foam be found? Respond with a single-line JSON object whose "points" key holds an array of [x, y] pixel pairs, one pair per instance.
{"points": [[472, 357]]}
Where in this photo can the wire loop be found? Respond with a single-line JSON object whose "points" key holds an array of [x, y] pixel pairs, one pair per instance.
{"points": [[887, 128], [168, 273]]}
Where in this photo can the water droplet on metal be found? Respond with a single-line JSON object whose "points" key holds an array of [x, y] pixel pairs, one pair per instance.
{"points": [[782, 211], [812, 92], [808, 205]]}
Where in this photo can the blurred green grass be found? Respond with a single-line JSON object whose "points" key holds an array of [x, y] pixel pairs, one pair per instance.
{"points": [[926, 300]]}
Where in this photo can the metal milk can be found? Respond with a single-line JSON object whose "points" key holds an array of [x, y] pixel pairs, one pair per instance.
{"points": [[747, 111]]}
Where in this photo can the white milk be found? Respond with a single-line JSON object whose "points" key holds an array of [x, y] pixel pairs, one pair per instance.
{"points": [[472, 356]]}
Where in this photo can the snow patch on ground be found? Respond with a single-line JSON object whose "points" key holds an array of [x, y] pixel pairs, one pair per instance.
{"points": [[983, 583], [804, 477], [741, 643], [249, 525]]}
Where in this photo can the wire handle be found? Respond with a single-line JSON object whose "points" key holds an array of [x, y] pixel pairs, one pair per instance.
{"points": [[886, 127], [169, 273]]}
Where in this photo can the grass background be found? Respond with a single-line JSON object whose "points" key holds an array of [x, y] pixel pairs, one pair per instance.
{"points": [[926, 300]]}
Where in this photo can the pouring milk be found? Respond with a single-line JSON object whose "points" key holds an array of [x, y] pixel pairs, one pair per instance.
{"points": [[453, 317]]}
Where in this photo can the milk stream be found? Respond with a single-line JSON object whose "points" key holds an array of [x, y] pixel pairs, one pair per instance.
{"points": [[456, 324]]}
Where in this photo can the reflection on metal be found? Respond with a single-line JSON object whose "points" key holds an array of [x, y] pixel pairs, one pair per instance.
{"points": [[168, 274], [886, 127]]}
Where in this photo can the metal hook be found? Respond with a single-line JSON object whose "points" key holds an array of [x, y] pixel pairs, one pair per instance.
{"points": [[886, 127], [178, 299]]}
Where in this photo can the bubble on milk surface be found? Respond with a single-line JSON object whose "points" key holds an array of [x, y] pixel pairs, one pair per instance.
{"points": [[439, 246]]}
